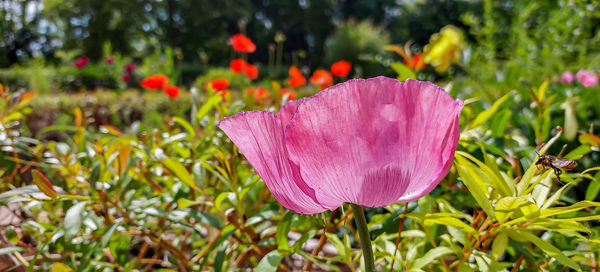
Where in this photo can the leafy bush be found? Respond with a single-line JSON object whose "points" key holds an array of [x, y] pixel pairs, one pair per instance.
{"points": [[359, 43]]}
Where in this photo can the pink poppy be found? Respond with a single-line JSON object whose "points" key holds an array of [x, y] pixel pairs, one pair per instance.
{"points": [[587, 78], [368, 142], [82, 62], [130, 67], [567, 77]]}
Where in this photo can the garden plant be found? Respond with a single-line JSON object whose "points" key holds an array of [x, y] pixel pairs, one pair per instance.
{"points": [[473, 150]]}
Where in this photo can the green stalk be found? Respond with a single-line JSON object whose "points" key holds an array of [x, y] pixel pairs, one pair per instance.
{"points": [[363, 234]]}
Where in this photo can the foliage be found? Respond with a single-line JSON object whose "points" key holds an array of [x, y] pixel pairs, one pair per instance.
{"points": [[132, 181], [355, 41]]}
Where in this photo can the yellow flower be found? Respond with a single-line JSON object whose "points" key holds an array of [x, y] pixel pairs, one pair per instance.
{"points": [[444, 48]]}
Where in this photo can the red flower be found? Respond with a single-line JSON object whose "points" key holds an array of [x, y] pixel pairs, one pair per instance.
{"points": [[290, 93], [341, 68], [126, 77], [415, 63], [224, 93], [259, 94], [171, 91], [238, 65], [110, 60], [322, 78], [155, 82], [218, 84], [242, 43], [296, 81], [251, 71], [296, 78], [130, 67], [81, 62], [295, 72]]}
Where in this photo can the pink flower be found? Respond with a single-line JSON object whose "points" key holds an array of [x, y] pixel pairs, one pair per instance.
{"points": [[130, 67], [81, 62], [126, 77], [567, 77], [587, 78], [369, 142], [110, 60]]}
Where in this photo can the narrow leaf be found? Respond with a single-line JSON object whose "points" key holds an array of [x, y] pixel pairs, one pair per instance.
{"points": [[269, 262]]}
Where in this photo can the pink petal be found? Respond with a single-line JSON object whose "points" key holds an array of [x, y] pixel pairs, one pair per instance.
{"points": [[287, 111], [259, 136], [374, 142]]}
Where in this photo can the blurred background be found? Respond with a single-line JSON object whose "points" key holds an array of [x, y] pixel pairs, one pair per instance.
{"points": [[45, 37], [108, 112]]}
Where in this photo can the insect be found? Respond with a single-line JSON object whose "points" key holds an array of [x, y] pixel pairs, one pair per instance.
{"points": [[556, 163]]}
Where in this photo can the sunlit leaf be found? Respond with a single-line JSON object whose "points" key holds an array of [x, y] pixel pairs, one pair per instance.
{"points": [[430, 257], [499, 245], [60, 267], [476, 186], [187, 126], [403, 71], [548, 248], [589, 139], [43, 184], [207, 107], [73, 219], [181, 172], [487, 114], [283, 228]]}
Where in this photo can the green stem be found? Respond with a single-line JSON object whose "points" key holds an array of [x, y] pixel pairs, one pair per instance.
{"points": [[365, 239]]}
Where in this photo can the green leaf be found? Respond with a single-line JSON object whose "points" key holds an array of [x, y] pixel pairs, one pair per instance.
{"points": [[578, 152], [507, 206], [519, 206], [187, 126], [593, 188], [337, 243], [119, 246], [109, 232], [210, 103], [542, 189], [283, 228], [498, 182], [487, 114], [270, 262], [475, 184], [547, 248], [220, 257], [225, 233], [499, 123], [429, 257], [450, 221], [7, 250], [11, 235], [403, 71], [73, 219], [298, 244], [499, 245], [554, 197], [183, 203], [575, 207], [181, 172]]}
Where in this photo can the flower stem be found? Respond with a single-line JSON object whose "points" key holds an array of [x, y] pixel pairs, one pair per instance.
{"points": [[363, 234]]}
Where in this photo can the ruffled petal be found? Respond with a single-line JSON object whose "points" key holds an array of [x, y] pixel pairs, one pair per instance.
{"points": [[259, 136], [287, 111], [372, 142]]}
